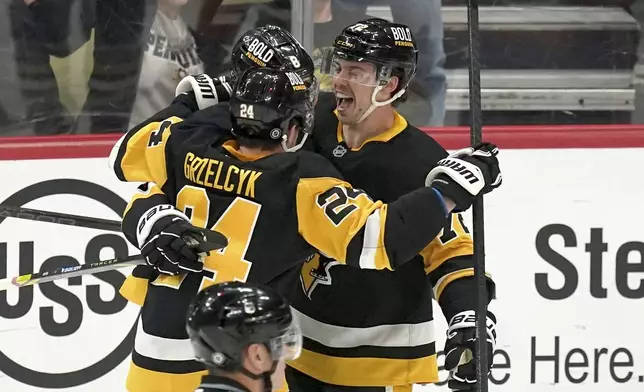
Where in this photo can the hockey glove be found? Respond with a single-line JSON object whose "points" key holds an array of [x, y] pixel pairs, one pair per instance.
{"points": [[208, 91], [169, 247], [459, 349], [466, 173]]}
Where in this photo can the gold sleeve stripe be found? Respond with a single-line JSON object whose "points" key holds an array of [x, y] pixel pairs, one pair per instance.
{"points": [[458, 243], [447, 279], [144, 159], [152, 190], [331, 213], [134, 289], [436, 253]]}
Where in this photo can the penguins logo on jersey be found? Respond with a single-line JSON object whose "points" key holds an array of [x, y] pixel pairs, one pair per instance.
{"points": [[315, 272]]}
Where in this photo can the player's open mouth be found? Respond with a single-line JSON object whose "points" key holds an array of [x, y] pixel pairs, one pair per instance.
{"points": [[343, 101]]}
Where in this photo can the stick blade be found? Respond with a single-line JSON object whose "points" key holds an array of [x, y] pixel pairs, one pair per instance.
{"points": [[214, 241]]}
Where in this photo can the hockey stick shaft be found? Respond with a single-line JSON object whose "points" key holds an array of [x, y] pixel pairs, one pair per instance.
{"points": [[70, 272], [59, 218], [477, 208], [215, 240]]}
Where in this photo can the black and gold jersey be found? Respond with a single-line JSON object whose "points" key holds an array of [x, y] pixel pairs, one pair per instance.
{"points": [[276, 211], [356, 321]]}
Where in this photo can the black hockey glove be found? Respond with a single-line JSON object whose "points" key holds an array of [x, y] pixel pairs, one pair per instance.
{"points": [[166, 249], [466, 173], [207, 91], [459, 349]]}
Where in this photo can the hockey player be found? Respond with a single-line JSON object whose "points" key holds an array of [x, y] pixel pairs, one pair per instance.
{"points": [[243, 334], [354, 322], [274, 207]]}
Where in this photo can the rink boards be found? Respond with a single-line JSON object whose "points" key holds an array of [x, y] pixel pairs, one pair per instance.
{"points": [[564, 242]]}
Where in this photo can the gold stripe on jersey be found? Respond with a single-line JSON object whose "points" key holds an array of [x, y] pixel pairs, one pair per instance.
{"points": [[143, 380], [134, 289], [144, 157], [458, 243], [233, 148], [399, 125], [331, 213], [449, 278], [381, 371]]}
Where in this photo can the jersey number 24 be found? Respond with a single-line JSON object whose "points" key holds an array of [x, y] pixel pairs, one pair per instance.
{"points": [[236, 223]]}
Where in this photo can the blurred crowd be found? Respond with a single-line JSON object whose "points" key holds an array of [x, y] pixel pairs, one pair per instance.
{"points": [[101, 66]]}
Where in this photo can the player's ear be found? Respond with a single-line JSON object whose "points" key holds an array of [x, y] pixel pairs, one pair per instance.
{"points": [[258, 358], [392, 84], [388, 89]]}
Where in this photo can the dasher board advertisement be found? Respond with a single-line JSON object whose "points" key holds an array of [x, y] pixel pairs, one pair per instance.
{"points": [[564, 243]]}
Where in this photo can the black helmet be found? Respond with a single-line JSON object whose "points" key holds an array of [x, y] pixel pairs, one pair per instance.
{"points": [[273, 47], [225, 318], [390, 46], [266, 102]]}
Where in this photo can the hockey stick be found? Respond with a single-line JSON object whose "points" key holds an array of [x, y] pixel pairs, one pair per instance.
{"points": [[212, 237], [70, 272], [480, 351], [213, 242], [58, 218]]}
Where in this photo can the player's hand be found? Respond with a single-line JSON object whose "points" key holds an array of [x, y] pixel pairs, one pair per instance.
{"points": [[166, 249], [466, 173], [459, 349], [208, 91]]}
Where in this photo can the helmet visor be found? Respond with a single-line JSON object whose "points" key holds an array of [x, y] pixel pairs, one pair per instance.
{"points": [[354, 69], [288, 346]]}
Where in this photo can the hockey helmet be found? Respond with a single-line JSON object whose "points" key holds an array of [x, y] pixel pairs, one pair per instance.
{"points": [[225, 318], [274, 47], [266, 102], [390, 47]]}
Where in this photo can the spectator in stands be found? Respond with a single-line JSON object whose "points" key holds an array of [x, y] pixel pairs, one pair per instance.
{"points": [[170, 55], [34, 43], [50, 29], [140, 52], [120, 37]]}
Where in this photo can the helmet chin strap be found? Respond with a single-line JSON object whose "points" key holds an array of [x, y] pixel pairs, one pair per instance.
{"points": [[375, 104], [295, 147], [265, 376]]}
